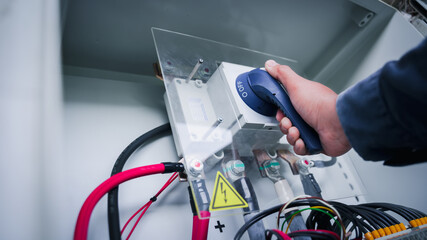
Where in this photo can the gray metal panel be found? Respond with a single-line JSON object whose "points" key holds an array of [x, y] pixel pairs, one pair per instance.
{"points": [[115, 35]]}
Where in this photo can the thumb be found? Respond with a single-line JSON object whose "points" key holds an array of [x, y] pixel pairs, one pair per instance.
{"points": [[282, 73]]}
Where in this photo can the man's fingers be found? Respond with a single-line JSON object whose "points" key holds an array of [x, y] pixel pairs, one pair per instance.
{"points": [[285, 124], [282, 73], [271, 67], [293, 135], [279, 115], [299, 147]]}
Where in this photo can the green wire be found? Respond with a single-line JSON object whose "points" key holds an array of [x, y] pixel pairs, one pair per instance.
{"points": [[315, 209]]}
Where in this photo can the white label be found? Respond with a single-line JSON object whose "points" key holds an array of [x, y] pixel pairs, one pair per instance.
{"points": [[197, 109]]}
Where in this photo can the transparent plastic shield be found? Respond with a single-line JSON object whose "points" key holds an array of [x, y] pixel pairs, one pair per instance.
{"points": [[216, 132]]}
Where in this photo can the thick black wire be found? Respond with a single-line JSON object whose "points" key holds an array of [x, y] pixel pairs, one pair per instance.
{"points": [[362, 223], [398, 212], [402, 211], [420, 213], [414, 213], [113, 195], [372, 218], [359, 224], [356, 213], [411, 215], [356, 225], [388, 220]]}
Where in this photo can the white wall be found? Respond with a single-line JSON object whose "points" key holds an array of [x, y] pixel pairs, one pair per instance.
{"points": [[30, 130]]}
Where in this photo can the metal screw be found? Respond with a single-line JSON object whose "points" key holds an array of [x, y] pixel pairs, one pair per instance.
{"points": [[273, 166], [304, 165], [194, 70], [236, 166], [196, 167], [211, 129], [218, 122], [272, 153]]}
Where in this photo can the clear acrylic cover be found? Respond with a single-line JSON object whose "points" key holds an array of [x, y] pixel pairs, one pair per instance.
{"points": [[219, 137]]}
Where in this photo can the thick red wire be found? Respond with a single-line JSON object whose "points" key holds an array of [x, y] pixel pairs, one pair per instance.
{"points": [[82, 225], [282, 234], [200, 226], [147, 205]]}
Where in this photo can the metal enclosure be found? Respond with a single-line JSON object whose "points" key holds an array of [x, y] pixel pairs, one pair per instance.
{"points": [[77, 87]]}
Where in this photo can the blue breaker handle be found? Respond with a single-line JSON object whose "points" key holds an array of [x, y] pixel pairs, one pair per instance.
{"points": [[260, 91]]}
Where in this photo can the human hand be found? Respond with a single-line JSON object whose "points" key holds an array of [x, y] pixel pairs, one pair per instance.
{"points": [[316, 104]]}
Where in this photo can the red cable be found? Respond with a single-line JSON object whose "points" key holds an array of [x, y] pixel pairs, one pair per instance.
{"points": [[139, 218], [130, 219], [319, 230], [282, 234], [80, 232], [147, 205], [200, 226]]}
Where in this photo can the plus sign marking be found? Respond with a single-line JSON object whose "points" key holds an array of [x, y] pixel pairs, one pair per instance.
{"points": [[219, 226]]}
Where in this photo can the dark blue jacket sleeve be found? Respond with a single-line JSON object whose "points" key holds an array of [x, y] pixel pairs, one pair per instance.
{"points": [[385, 115]]}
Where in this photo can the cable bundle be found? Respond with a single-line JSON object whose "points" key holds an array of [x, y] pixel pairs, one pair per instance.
{"points": [[334, 220], [311, 202], [370, 220]]}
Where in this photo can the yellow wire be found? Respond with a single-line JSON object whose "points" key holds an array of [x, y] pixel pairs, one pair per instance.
{"points": [[326, 208], [289, 224], [292, 218]]}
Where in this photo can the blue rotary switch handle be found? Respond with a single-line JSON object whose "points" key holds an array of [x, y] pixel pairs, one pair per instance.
{"points": [[261, 92]]}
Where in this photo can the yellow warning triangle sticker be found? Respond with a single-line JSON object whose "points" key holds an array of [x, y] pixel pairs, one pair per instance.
{"points": [[225, 196]]}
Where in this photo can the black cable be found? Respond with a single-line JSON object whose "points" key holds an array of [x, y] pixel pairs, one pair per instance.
{"points": [[414, 212], [367, 217], [373, 219], [388, 220], [402, 211], [362, 223], [422, 214], [113, 199], [351, 211], [359, 224], [360, 230]]}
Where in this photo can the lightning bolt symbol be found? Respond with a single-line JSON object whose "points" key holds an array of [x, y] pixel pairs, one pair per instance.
{"points": [[224, 192]]}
